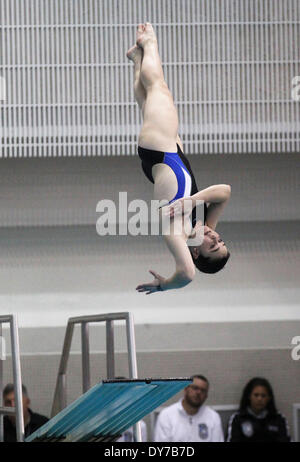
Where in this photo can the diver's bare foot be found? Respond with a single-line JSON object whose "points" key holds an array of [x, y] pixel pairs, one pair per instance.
{"points": [[134, 53], [145, 34], [139, 33]]}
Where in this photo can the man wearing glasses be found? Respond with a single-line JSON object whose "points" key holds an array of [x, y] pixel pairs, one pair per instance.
{"points": [[190, 420]]}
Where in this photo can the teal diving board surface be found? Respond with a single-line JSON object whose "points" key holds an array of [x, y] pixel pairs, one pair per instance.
{"points": [[108, 409]]}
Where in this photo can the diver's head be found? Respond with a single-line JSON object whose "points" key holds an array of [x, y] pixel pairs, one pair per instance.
{"points": [[212, 255]]}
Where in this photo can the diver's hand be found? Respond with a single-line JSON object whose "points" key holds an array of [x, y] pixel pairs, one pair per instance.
{"points": [[183, 206], [154, 286]]}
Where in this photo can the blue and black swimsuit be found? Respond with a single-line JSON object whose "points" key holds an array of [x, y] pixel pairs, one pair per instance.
{"points": [[178, 162]]}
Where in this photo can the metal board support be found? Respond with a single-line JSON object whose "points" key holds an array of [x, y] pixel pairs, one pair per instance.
{"points": [[60, 398], [15, 353]]}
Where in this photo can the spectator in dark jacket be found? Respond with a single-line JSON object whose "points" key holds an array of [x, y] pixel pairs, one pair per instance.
{"points": [[32, 421], [258, 419]]}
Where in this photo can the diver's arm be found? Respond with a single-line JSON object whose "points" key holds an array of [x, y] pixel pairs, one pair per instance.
{"points": [[217, 196], [213, 194], [185, 268], [214, 211], [184, 271], [178, 280]]}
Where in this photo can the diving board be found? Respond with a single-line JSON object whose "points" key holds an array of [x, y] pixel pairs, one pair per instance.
{"points": [[108, 409]]}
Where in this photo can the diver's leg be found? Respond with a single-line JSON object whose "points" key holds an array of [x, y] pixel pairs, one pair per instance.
{"points": [[160, 127], [135, 54], [165, 183]]}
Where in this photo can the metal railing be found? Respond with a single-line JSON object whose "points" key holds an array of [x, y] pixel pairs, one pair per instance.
{"points": [[60, 395], [233, 90], [15, 353]]}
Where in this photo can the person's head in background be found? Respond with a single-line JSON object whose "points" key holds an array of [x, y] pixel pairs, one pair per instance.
{"points": [[9, 401], [195, 394], [258, 396]]}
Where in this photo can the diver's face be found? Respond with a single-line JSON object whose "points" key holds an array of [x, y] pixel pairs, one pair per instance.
{"points": [[212, 246]]}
